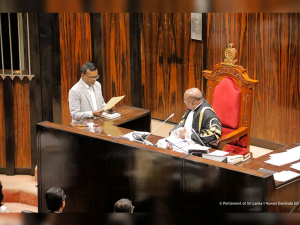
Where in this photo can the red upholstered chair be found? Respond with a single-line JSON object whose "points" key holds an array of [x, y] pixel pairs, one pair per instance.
{"points": [[230, 93]]}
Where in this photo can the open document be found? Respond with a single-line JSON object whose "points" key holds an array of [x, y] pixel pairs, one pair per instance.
{"points": [[112, 102], [179, 145]]}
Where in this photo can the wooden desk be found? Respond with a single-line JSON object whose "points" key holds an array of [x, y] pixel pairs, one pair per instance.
{"points": [[131, 118], [95, 170]]}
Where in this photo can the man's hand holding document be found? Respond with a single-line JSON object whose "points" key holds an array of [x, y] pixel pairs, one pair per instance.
{"points": [[111, 103]]}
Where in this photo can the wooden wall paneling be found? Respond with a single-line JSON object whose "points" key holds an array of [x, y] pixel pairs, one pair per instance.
{"points": [[171, 63], [255, 62], [204, 50], [149, 32], [56, 87], [293, 87], [2, 129], [273, 75], [8, 95], [135, 59], [75, 50], [96, 32], [21, 111], [35, 91], [116, 57]]}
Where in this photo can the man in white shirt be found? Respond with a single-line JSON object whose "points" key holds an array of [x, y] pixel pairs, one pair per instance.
{"points": [[199, 118], [85, 97]]}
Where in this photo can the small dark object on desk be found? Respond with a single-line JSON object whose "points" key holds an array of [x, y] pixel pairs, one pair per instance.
{"points": [[110, 111], [197, 152]]}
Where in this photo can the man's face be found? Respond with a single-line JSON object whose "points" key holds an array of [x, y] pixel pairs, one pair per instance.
{"points": [[90, 77], [188, 101]]}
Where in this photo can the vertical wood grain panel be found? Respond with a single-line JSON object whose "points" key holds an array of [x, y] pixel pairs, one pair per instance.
{"points": [[268, 47], [2, 129], [22, 123], [75, 50], [171, 63], [116, 57]]}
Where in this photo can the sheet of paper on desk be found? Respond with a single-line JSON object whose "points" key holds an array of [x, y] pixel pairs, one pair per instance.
{"points": [[296, 166], [285, 175], [281, 161], [294, 150], [218, 153], [287, 154], [111, 103]]}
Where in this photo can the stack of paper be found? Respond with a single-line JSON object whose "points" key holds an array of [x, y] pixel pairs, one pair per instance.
{"points": [[285, 175], [110, 116], [218, 153], [283, 158], [296, 166]]}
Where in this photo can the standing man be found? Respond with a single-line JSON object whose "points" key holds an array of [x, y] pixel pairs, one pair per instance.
{"points": [[201, 117], [85, 97]]}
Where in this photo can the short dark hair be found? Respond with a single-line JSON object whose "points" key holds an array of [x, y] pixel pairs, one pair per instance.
{"points": [[88, 66], [1, 194], [123, 205], [54, 197]]}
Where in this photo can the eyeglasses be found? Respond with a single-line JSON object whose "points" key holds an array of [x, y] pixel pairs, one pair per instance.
{"points": [[94, 77], [64, 197]]}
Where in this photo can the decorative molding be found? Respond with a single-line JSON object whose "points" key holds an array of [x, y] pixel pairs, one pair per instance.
{"points": [[12, 77], [230, 71], [245, 117], [209, 97]]}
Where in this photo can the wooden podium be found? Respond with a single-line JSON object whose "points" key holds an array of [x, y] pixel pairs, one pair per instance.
{"points": [[95, 169]]}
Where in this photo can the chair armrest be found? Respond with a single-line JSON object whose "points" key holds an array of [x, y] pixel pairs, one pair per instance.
{"points": [[229, 137]]}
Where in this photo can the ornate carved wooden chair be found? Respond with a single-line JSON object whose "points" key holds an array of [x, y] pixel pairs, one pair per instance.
{"points": [[230, 93]]}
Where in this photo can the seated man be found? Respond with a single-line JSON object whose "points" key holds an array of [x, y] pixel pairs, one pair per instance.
{"points": [[123, 205], [55, 200], [85, 97], [199, 117]]}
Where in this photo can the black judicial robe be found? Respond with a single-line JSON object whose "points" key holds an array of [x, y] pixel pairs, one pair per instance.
{"points": [[205, 122]]}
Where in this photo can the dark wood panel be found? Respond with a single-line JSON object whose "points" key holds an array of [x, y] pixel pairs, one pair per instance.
{"points": [[2, 128], [96, 32], [35, 91], [56, 88], [22, 123], [46, 66], [8, 95], [135, 58], [171, 63], [75, 50], [268, 48], [117, 168], [116, 56]]}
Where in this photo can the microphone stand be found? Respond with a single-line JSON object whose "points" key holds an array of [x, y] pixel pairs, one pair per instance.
{"points": [[159, 126], [187, 152], [194, 132]]}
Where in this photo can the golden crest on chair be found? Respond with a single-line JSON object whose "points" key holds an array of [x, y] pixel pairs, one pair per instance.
{"points": [[230, 54]]}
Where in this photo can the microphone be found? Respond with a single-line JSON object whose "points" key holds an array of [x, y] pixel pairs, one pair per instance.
{"points": [[158, 126], [140, 138], [187, 152], [197, 136]]}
